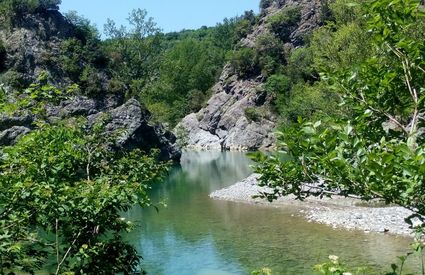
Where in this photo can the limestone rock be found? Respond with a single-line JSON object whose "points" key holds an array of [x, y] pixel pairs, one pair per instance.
{"points": [[130, 123], [222, 123], [11, 135], [225, 123], [7, 121]]}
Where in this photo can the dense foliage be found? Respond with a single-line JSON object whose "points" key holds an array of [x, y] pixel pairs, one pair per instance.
{"points": [[62, 195], [377, 151], [171, 73], [138, 61]]}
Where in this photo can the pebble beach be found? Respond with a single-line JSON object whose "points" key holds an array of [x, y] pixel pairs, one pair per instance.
{"points": [[337, 212]]}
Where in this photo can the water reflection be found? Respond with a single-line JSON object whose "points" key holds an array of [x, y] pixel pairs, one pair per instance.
{"points": [[198, 235]]}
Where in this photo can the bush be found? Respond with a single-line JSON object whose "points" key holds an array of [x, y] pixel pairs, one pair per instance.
{"points": [[300, 66], [71, 58], [284, 22], [196, 99], [278, 85], [271, 53], [252, 114], [309, 102], [116, 86], [77, 191], [91, 81], [13, 79], [244, 61]]}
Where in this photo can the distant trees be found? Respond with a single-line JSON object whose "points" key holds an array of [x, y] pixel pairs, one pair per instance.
{"points": [[133, 52], [171, 73]]}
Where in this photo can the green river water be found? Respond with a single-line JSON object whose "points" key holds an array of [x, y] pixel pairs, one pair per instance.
{"points": [[196, 235]]}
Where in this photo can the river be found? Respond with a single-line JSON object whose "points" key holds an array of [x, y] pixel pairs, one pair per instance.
{"points": [[195, 235]]}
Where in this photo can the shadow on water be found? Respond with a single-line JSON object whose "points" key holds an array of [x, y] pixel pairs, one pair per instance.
{"points": [[196, 235]]}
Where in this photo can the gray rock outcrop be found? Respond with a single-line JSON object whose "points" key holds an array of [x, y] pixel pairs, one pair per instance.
{"points": [[33, 41], [239, 115], [223, 125], [10, 136], [32, 45], [130, 124], [127, 122]]}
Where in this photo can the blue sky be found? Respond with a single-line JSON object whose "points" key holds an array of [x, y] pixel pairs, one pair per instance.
{"points": [[171, 15]]}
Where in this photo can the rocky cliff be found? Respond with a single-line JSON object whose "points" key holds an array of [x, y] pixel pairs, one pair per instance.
{"points": [[224, 123], [30, 46], [31, 42]]}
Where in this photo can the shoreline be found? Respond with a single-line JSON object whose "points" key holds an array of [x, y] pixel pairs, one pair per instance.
{"points": [[336, 212]]}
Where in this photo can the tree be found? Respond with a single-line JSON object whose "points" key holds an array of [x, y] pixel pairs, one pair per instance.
{"points": [[377, 151], [134, 52], [62, 193]]}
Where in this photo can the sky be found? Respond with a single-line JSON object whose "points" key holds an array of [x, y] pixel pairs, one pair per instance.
{"points": [[170, 15]]}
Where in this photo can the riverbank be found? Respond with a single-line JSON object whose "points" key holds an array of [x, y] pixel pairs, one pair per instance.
{"points": [[337, 212]]}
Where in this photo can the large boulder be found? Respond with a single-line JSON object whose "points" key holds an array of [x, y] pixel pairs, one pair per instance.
{"points": [[8, 121], [129, 124]]}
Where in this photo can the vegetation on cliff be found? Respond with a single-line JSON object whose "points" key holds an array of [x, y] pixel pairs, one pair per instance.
{"points": [[373, 59], [348, 95]]}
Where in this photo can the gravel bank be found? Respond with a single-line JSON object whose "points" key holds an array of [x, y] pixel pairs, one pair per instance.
{"points": [[338, 212]]}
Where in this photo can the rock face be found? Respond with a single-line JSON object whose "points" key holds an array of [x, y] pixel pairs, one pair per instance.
{"points": [[131, 122], [12, 127], [310, 20], [34, 39], [225, 123], [11, 135], [29, 45]]}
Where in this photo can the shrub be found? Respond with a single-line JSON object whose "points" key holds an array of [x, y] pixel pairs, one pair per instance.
{"points": [[76, 191], [283, 23], [90, 81], [196, 99], [13, 79], [71, 57], [3, 96], [278, 85], [245, 61], [116, 86], [300, 65], [252, 114]]}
